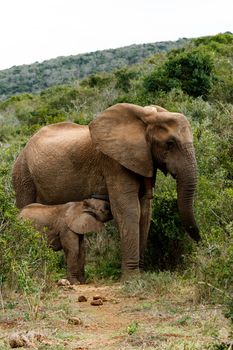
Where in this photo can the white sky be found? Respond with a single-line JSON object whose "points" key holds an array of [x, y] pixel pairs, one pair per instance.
{"points": [[36, 30]]}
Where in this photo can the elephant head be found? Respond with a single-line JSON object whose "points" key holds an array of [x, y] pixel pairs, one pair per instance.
{"points": [[99, 209], [89, 217], [143, 139]]}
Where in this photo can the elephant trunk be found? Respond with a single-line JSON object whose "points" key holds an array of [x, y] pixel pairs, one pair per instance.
{"points": [[186, 185]]}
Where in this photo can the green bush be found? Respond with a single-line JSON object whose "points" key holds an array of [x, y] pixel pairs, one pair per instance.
{"points": [[191, 71], [214, 258], [24, 255], [124, 78], [216, 40], [168, 243], [99, 80], [103, 254], [220, 47]]}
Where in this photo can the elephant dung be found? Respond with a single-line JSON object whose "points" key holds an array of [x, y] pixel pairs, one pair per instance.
{"points": [[75, 321], [82, 299], [97, 302]]}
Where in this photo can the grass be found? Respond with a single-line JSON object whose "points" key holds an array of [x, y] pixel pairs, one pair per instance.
{"points": [[152, 283], [132, 328]]}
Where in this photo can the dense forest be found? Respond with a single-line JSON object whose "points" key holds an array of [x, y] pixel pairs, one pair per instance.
{"points": [[38, 76], [196, 80]]}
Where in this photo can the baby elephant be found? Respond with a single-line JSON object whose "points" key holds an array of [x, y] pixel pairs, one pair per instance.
{"points": [[64, 226]]}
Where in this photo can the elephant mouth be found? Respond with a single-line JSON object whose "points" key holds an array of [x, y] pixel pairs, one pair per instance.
{"points": [[163, 168], [91, 214], [174, 176], [159, 164], [165, 171]]}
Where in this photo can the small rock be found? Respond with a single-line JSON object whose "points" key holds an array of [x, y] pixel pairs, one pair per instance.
{"points": [[16, 341], [97, 297], [24, 339], [63, 282], [82, 298], [75, 321], [97, 302]]}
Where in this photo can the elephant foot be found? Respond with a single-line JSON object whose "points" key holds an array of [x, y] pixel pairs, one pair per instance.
{"points": [[82, 280], [78, 280], [141, 266], [128, 275], [73, 280]]}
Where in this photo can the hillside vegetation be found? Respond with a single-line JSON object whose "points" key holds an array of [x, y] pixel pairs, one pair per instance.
{"points": [[196, 80], [38, 76]]}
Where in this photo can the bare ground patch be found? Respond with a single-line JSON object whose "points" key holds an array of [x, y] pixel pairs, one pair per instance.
{"points": [[168, 320]]}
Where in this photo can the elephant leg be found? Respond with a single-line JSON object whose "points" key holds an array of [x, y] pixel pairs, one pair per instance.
{"points": [[123, 189], [70, 245], [81, 259], [144, 227]]}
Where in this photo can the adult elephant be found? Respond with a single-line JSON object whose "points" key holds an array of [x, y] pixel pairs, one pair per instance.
{"points": [[117, 154]]}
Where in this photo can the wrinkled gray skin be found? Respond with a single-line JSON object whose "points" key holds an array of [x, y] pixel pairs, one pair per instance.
{"points": [[65, 226], [117, 154]]}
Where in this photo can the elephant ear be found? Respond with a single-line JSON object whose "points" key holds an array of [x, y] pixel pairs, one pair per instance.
{"points": [[81, 222], [120, 133]]}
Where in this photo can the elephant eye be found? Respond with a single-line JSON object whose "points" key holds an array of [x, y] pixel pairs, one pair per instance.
{"points": [[170, 144]]}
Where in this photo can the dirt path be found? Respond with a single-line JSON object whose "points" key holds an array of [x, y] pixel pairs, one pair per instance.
{"points": [[121, 322]]}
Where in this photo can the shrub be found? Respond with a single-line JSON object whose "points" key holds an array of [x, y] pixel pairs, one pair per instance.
{"points": [[192, 71], [214, 258], [103, 254], [123, 78], [24, 255], [168, 243], [99, 80]]}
